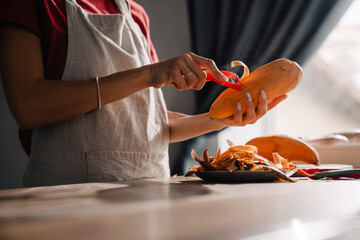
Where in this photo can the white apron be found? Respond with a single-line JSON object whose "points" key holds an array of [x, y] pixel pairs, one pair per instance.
{"points": [[127, 139]]}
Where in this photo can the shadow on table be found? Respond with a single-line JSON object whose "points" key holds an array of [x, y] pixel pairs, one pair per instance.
{"points": [[154, 190]]}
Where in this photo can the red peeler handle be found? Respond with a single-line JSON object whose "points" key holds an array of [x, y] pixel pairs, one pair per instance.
{"points": [[231, 75]]}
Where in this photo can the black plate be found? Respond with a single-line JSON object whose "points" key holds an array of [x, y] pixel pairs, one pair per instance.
{"points": [[237, 176]]}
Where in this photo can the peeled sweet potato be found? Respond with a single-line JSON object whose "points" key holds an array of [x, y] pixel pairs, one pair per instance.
{"points": [[275, 78], [293, 149]]}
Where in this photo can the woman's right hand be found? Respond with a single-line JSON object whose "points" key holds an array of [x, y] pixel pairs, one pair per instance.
{"points": [[184, 72]]}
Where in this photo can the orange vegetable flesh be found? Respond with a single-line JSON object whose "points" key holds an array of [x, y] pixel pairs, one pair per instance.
{"points": [[293, 149]]}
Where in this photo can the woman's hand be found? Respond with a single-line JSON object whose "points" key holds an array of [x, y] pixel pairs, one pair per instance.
{"points": [[252, 114], [184, 72]]}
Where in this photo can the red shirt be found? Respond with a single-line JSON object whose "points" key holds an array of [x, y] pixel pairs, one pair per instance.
{"points": [[47, 19]]}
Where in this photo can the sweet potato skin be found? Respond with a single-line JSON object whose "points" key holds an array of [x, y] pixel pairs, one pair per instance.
{"points": [[275, 78], [293, 149]]}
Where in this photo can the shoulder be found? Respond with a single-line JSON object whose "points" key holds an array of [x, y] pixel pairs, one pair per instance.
{"points": [[32, 14], [21, 12]]}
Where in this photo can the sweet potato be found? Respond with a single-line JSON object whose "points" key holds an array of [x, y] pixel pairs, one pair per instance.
{"points": [[275, 78], [293, 149]]}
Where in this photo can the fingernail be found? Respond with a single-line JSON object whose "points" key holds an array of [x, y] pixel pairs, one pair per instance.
{"points": [[238, 106], [248, 97], [263, 94]]}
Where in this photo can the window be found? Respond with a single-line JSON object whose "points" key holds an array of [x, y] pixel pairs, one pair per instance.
{"points": [[328, 98]]}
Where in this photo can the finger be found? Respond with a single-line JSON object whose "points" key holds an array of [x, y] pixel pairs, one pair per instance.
{"points": [[238, 117], [250, 115], [200, 77], [199, 85], [276, 101], [193, 65], [189, 76], [185, 71], [262, 107], [180, 83], [209, 65], [188, 69], [197, 71]]}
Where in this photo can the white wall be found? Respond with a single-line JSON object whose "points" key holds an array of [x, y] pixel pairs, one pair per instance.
{"points": [[169, 28], [322, 104]]}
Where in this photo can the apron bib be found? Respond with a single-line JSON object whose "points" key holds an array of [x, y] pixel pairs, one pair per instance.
{"points": [[124, 140]]}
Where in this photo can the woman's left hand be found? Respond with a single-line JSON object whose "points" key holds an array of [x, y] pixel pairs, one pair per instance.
{"points": [[252, 114]]}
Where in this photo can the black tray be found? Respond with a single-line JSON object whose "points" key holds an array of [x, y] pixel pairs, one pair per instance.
{"points": [[237, 176]]}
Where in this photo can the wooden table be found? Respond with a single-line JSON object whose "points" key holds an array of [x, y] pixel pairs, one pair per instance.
{"points": [[174, 208]]}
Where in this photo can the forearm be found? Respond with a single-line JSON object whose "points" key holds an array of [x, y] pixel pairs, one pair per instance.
{"points": [[51, 101], [35, 101], [183, 127]]}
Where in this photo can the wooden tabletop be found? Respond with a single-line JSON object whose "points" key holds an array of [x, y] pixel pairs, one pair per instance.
{"points": [[174, 208]]}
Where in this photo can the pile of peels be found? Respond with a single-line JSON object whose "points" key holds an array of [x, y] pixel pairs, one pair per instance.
{"points": [[242, 158]]}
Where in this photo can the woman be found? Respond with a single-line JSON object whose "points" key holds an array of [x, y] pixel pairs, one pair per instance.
{"points": [[106, 120]]}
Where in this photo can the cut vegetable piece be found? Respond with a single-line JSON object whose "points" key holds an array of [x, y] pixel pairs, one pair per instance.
{"points": [[293, 149]]}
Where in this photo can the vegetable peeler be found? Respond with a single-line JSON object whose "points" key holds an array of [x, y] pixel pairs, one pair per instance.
{"points": [[233, 77], [231, 83]]}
